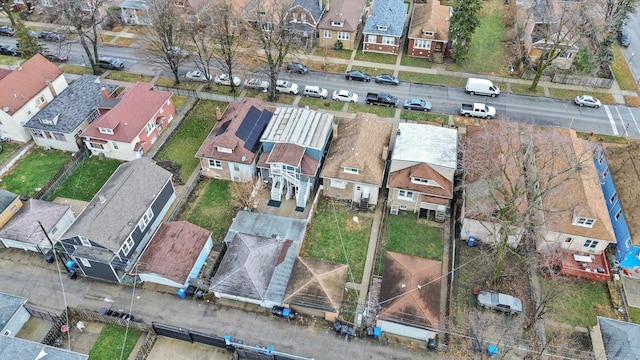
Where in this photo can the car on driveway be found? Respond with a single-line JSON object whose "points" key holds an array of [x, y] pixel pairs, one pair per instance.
{"points": [[257, 84], [7, 31], [197, 75], [501, 302], [623, 38], [297, 67], [387, 79], [417, 104], [587, 100], [55, 56], [357, 75], [9, 50], [345, 95], [47, 35], [223, 79]]}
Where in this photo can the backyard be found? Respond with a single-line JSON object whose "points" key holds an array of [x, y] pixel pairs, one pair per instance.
{"points": [[85, 181], [109, 344], [34, 171]]}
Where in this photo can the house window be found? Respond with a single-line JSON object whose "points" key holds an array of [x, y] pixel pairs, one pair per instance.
{"points": [[358, 188], [59, 136], [94, 115], [383, 28], [327, 34], [146, 219], [591, 244], [84, 241], [618, 214], [405, 195], [351, 170], [216, 164], [629, 243], [105, 130], [338, 184], [388, 40], [236, 167], [54, 230], [372, 39], [37, 133], [40, 100], [115, 145], [586, 222], [566, 55], [613, 197], [422, 44], [343, 35], [404, 207], [85, 6], [428, 33], [96, 146], [224, 150], [568, 240], [600, 157], [605, 173], [150, 127], [420, 181], [295, 17], [85, 262], [336, 23], [127, 246]]}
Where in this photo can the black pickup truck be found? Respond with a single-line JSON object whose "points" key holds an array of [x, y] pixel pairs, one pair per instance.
{"points": [[382, 99]]}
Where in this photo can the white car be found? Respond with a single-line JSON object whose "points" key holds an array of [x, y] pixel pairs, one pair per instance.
{"points": [[223, 79], [257, 84], [197, 75], [285, 86], [345, 95], [587, 100]]}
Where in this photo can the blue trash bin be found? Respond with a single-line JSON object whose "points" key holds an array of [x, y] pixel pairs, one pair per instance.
{"points": [[472, 241], [492, 350], [182, 293]]}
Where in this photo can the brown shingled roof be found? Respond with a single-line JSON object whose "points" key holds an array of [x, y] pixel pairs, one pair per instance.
{"points": [[22, 84], [346, 11], [431, 16], [401, 179], [316, 284]]}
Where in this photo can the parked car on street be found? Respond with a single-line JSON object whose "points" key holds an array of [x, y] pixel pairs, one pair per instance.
{"points": [[357, 75], [297, 68], [345, 95], [257, 84], [47, 35], [387, 79], [175, 51], [315, 91], [623, 38], [381, 99], [587, 100], [9, 50], [197, 75], [110, 63], [223, 79], [7, 31], [501, 302], [55, 56], [287, 87], [417, 104]]}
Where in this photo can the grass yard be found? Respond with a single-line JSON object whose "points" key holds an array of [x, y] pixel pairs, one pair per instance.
{"points": [[323, 240], [222, 90], [487, 54], [179, 101], [9, 60], [621, 70], [413, 115], [415, 62], [632, 100], [7, 150], [128, 77], [524, 89], [123, 41], [375, 57], [85, 181], [432, 79], [569, 94], [186, 140], [578, 301], [610, 139], [106, 38], [34, 171], [321, 103], [634, 314], [170, 82], [338, 54], [211, 208], [381, 111], [77, 69], [109, 344]]}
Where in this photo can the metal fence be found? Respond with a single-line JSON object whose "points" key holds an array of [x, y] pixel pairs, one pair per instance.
{"points": [[61, 176], [177, 91]]}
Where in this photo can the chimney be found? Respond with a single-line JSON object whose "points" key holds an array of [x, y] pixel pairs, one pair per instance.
{"points": [[105, 94], [218, 113], [385, 153], [335, 130], [51, 88]]}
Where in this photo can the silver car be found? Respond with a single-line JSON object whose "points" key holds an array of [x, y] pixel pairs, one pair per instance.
{"points": [[257, 84], [587, 100], [501, 302]]}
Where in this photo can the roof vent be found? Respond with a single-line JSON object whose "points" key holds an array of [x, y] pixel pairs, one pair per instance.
{"points": [[244, 158], [5, 109]]}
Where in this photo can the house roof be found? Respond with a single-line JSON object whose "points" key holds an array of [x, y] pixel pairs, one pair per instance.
{"points": [[358, 143], [72, 106], [9, 305], [243, 120], [259, 265], [16, 348], [390, 14], [307, 128], [431, 16], [116, 209], [24, 226], [433, 145], [134, 4], [410, 290], [308, 165], [173, 250], [315, 8], [138, 104], [401, 179], [22, 84], [4, 73], [621, 339], [347, 12], [316, 284], [6, 199]]}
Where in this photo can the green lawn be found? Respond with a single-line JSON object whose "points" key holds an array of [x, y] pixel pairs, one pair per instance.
{"points": [[424, 116], [87, 179], [9, 60], [578, 301], [77, 69], [381, 111], [634, 314], [128, 77], [524, 89], [414, 61], [211, 209], [7, 150], [621, 70], [326, 104], [453, 81], [179, 101], [109, 344], [34, 171], [375, 57], [331, 229], [186, 140], [170, 82]]}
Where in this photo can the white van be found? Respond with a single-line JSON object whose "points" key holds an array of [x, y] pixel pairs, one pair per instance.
{"points": [[315, 91], [481, 87]]}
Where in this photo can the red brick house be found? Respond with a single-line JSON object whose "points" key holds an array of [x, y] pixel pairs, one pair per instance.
{"points": [[429, 30]]}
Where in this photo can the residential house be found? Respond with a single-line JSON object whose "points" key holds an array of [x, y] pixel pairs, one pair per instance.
{"points": [[13, 315], [429, 30], [36, 226], [23, 5], [355, 164], [134, 12], [384, 28], [109, 235], [304, 17], [130, 124], [342, 22], [257, 265], [230, 151], [294, 145], [423, 163], [316, 287], [409, 301], [60, 124], [24, 92], [615, 339], [175, 255], [10, 205]]}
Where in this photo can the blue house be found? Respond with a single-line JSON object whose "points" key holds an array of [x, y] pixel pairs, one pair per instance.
{"points": [[384, 29]]}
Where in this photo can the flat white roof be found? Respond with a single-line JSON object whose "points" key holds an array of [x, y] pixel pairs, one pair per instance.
{"points": [[300, 126], [428, 144]]}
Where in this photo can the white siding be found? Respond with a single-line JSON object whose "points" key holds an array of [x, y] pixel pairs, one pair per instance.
{"points": [[404, 330]]}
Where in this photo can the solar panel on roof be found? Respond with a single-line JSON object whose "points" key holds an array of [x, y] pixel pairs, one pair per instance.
{"points": [[254, 138], [223, 127], [247, 124]]}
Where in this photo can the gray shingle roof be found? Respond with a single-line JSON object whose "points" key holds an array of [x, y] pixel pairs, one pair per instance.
{"points": [[312, 6], [9, 304], [389, 13], [24, 226], [15, 348], [72, 106], [621, 339], [6, 198]]}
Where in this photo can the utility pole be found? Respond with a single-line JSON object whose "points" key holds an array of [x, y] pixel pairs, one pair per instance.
{"points": [[53, 247]]}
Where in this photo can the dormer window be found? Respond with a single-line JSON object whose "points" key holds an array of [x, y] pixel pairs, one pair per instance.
{"points": [[351, 170], [337, 23], [584, 222], [105, 130], [428, 33], [224, 150], [262, 13], [421, 181], [383, 28]]}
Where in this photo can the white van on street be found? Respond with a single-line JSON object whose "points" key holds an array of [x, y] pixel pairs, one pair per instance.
{"points": [[481, 87]]}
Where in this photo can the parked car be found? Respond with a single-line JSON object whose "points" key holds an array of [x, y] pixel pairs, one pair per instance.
{"points": [[345, 95], [7, 31], [257, 84], [197, 75], [297, 68], [9, 50], [624, 38], [175, 51], [47, 35], [223, 79], [287, 87], [417, 104], [33, 34], [283, 312], [357, 75], [110, 63], [315, 91], [387, 79], [501, 302], [587, 100], [55, 56]]}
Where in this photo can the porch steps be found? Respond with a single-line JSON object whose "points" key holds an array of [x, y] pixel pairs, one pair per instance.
{"points": [[364, 205]]}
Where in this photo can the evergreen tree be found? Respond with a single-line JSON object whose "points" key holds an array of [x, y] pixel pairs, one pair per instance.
{"points": [[462, 25]]}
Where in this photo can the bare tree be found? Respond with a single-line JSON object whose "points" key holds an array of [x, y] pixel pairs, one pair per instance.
{"points": [[164, 40], [5, 7], [244, 192], [615, 13], [85, 19]]}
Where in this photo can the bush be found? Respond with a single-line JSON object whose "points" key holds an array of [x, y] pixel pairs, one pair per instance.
{"points": [[338, 45], [584, 61]]}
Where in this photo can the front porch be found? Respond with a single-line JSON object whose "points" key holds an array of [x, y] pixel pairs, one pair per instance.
{"points": [[588, 266]]}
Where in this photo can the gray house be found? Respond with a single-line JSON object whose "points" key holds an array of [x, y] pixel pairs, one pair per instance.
{"points": [[107, 238], [60, 124], [385, 27], [615, 339]]}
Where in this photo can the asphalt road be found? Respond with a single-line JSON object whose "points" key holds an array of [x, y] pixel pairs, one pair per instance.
{"points": [[609, 119]]}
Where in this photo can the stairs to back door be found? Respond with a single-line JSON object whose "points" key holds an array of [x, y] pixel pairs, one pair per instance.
{"points": [[364, 205]]}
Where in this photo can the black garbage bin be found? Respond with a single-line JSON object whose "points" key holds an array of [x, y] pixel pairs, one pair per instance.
{"points": [[49, 257], [73, 275]]}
